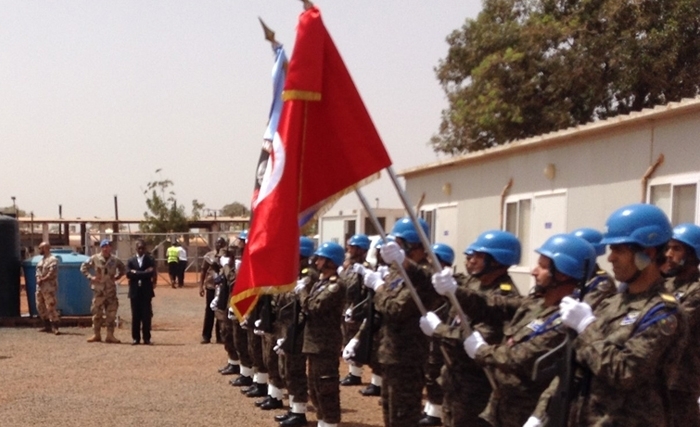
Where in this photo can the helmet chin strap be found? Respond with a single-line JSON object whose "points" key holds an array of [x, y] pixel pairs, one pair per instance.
{"points": [[489, 266]]}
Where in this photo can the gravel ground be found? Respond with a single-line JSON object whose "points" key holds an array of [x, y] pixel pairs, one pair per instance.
{"points": [[62, 380]]}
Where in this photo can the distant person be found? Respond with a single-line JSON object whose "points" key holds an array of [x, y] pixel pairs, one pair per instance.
{"points": [[107, 270], [173, 256], [182, 260], [141, 271], [46, 287]]}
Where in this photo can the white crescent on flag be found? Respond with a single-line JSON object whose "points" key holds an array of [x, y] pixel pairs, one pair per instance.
{"points": [[273, 170]]}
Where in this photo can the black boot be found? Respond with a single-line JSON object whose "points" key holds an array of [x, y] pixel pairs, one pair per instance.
{"points": [[280, 418], [260, 402], [429, 420], [231, 370], [242, 381], [294, 420], [351, 379], [271, 403], [47, 326], [371, 390], [257, 390]]}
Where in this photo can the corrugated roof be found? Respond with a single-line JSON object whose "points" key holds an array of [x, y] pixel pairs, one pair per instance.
{"points": [[672, 109]]}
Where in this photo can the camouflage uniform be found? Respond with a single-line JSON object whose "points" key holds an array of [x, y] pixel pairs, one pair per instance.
{"points": [[356, 299], [104, 288], [228, 326], [323, 337], [403, 350], [46, 290], [467, 389], [632, 348], [685, 386], [211, 258]]}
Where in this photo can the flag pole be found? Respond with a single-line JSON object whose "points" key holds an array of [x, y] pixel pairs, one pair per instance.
{"points": [[402, 270], [428, 248], [464, 320]]}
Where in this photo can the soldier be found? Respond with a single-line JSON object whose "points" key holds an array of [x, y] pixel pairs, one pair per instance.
{"points": [[323, 336], [225, 281], [107, 270], [289, 345], [208, 287], [46, 287], [403, 351], [353, 274], [682, 259], [466, 387], [632, 343], [240, 334]]}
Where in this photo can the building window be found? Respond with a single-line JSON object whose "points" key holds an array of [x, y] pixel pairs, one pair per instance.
{"points": [[429, 217], [677, 197], [518, 215]]}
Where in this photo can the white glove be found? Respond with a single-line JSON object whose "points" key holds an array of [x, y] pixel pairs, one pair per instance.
{"points": [[429, 322], [278, 347], [392, 252], [339, 270], [348, 315], [373, 280], [256, 329], [301, 284], [231, 314], [472, 343], [244, 323], [214, 303], [576, 315], [383, 271], [237, 264], [443, 282], [349, 350], [358, 269], [533, 422]]}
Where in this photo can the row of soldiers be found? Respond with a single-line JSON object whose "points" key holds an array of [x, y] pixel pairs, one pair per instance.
{"points": [[628, 352]]}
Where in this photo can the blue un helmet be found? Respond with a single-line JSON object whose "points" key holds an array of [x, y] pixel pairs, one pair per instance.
{"points": [[243, 236], [688, 234], [570, 255], [503, 246], [640, 224], [405, 230], [444, 253], [333, 252], [592, 236], [359, 240], [306, 247]]}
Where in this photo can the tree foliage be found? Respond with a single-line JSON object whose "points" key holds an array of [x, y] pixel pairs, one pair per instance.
{"points": [[10, 210], [164, 215], [235, 209], [528, 67]]}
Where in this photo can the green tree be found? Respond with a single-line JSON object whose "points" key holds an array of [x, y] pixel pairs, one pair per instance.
{"points": [[164, 215], [528, 67], [235, 209], [9, 210]]}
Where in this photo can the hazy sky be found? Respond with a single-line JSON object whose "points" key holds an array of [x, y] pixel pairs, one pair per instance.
{"points": [[96, 95]]}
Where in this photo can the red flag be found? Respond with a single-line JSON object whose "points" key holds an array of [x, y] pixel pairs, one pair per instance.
{"points": [[325, 145]]}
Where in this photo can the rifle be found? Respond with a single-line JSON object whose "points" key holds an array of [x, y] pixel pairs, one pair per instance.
{"points": [[560, 403], [363, 352]]}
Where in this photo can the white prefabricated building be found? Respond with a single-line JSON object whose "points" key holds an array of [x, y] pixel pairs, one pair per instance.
{"points": [[565, 180]]}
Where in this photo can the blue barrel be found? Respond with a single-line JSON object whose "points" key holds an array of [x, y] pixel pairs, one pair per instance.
{"points": [[74, 295]]}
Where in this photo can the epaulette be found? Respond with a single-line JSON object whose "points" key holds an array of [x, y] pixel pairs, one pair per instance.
{"points": [[506, 288], [669, 299], [305, 271], [366, 264], [600, 273], [333, 279]]}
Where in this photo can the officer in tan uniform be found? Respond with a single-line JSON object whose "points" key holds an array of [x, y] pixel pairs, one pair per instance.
{"points": [[104, 270], [46, 287], [682, 258], [633, 341], [323, 335], [467, 390]]}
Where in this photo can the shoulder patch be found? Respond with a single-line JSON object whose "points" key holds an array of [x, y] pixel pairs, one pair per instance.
{"points": [[305, 271], [506, 287], [669, 299], [333, 287]]}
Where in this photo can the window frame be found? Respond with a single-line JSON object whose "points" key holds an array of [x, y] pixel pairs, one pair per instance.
{"points": [[675, 181]]}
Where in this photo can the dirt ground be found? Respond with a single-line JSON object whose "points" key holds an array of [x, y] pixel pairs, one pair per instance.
{"points": [[62, 380]]}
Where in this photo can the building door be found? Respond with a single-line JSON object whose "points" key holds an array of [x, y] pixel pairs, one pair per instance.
{"points": [[446, 227], [548, 218]]}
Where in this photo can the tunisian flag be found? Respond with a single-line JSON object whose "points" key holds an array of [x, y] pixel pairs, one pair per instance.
{"points": [[325, 146]]}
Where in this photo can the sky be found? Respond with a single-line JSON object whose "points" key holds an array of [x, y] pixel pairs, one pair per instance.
{"points": [[96, 95]]}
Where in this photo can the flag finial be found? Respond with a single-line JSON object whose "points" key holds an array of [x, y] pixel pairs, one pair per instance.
{"points": [[307, 4], [269, 34]]}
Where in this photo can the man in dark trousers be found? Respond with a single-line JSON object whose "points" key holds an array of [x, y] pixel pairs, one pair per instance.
{"points": [[141, 271]]}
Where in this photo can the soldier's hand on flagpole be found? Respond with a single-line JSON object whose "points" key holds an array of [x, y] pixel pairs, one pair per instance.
{"points": [[348, 315], [429, 322], [358, 269], [472, 343], [391, 252], [533, 422], [349, 350], [373, 280], [231, 314], [301, 284], [278, 347], [443, 282]]}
